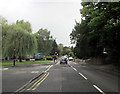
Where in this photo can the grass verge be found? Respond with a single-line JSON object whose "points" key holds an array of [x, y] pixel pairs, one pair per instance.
{"points": [[24, 62]]}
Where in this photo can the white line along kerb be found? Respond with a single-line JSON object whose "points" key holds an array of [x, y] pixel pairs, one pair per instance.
{"points": [[98, 89], [83, 76]]}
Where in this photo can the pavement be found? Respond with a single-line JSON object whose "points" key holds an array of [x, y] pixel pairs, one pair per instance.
{"points": [[71, 77], [109, 68]]}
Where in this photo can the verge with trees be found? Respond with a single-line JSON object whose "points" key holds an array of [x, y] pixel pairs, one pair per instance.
{"points": [[19, 42], [97, 35]]}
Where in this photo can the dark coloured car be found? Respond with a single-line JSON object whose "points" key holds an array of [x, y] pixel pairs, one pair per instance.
{"points": [[64, 61]]}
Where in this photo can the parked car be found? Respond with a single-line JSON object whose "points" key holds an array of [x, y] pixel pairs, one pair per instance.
{"points": [[70, 58], [38, 56], [64, 60]]}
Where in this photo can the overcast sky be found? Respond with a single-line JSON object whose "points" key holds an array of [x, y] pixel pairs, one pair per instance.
{"points": [[58, 16]]}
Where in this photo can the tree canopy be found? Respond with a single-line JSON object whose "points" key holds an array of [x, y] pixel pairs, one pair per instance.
{"points": [[19, 41], [44, 41], [98, 30]]}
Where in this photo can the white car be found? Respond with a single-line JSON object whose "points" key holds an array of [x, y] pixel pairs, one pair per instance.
{"points": [[64, 60], [70, 58]]}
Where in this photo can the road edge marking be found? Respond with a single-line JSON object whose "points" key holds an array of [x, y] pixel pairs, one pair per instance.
{"points": [[74, 69], [98, 89], [83, 76]]}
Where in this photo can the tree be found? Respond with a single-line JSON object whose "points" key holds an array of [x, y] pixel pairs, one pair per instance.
{"points": [[98, 29], [55, 50], [67, 51], [5, 33], [60, 47], [18, 41], [24, 25], [44, 41]]}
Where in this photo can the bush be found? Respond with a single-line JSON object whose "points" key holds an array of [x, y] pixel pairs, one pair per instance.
{"points": [[49, 58]]}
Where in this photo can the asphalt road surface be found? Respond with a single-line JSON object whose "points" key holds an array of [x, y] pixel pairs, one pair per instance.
{"points": [[71, 77]]}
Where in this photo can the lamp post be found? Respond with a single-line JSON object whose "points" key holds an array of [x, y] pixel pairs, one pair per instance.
{"points": [[14, 58]]}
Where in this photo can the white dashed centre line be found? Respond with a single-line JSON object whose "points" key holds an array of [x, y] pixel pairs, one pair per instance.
{"points": [[86, 79], [98, 89], [83, 76], [74, 69]]}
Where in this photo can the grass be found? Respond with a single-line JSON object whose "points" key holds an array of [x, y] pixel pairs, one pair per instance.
{"points": [[24, 62]]}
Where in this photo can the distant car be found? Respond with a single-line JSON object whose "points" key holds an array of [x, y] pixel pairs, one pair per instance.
{"points": [[64, 61], [38, 56], [70, 59]]}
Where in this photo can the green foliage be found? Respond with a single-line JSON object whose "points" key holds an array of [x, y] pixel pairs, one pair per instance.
{"points": [[17, 40], [60, 47], [24, 62], [98, 29], [55, 50], [44, 41], [48, 58], [24, 25], [22, 42], [67, 51]]}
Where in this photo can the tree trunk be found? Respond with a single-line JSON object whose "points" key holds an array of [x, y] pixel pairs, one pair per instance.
{"points": [[20, 59]]}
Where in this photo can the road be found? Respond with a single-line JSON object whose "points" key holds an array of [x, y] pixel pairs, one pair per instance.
{"points": [[71, 77]]}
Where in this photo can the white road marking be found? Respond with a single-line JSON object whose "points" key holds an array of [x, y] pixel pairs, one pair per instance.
{"points": [[49, 68], [3, 68], [83, 76], [74, 69], [98, 89], [75, 63], [71, 66], [35, 72]]}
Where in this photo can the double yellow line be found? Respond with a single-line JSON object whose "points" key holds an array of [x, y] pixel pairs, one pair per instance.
{"points": [[38, 82]]}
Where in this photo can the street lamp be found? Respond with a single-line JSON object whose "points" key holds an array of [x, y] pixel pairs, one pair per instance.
{"points": [[14, 58]]}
